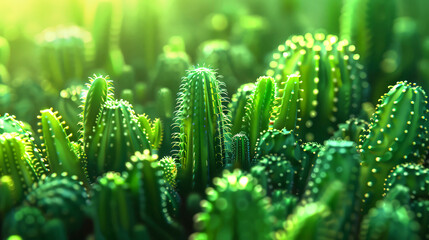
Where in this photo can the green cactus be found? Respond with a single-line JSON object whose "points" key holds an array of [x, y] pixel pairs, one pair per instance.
{"points": [[147, 185], [241, 152], [283, 205], [61, 154], [27, 222], [62, 197], [274, 173], [351, 130], [16, 162], [63, 55], [116, 136], [414, 177], [389, 220], [169, 169], [113, 208], [258, 110], [8, 197], [326, 65], [339, 161], [397, 134], [68, 107], [99, 91], [234, 203], [237, 107], [153, 130], [203, 130], [285, 113]]}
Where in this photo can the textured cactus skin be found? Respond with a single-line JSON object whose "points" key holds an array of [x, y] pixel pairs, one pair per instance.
{"points": [[285, 113], [153, 129], [241, 152], [60, 153], [145, 178], [259, 109], [414, 177], [9, 124], [17, 163], [68, 107], [115, 138], [232, 205], [203, 130], [326, 66], [274, 173], [389, 220], [237, 106], [169, 169], [284, 143], [99, 91], [351, 130], [397, 134], [283, 205], [60, 196], [339, 161], [113, 207]]}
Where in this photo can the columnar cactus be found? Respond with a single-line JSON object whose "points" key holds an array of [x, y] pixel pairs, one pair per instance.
{"points": [[169, 169], [398, 134], [113, 208], [241, 152], [16, 162], [234, 203], [62, 197], [61, 154], [147, 185], [63, 55], [116, 136], [237, 106], [259, 109], [153, 129], [203, 130], [8, 197], [68, 107], [326, 65], [339, 161]]}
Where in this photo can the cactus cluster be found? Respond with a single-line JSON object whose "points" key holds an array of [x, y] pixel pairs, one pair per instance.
{"points": [[196, 124]]}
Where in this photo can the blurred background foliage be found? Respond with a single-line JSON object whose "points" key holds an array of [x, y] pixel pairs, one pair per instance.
{"points": [[49, 48]]}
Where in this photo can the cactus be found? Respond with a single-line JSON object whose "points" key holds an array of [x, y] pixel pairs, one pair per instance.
{"points": [[153, 130], [258, 110], [234, 203], [285, 113], [169, 168], [325, 65], [414, 177], [203, 130], [63, 55], [60, 152], [62, 197], [27, 222], [114, 214], [237, 106], [274, 173], [389, 220], [241, 152], [8, 197], [116, 136], [145, 178], [16, 162], [283, 205], [338, 162], [397, 134], [68, 107], [421, 212], [351, 130]]}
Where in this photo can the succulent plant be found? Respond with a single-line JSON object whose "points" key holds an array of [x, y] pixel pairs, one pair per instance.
{"points": [[397, 134], [203, 130], [113, 208], [351, 130], [147, 186], [28, 222], [237, 107], [258, 110], [234, 203], [68, 107], [60, 197], [241, 152], [8, 197], [333, 82], [153, 129]]}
